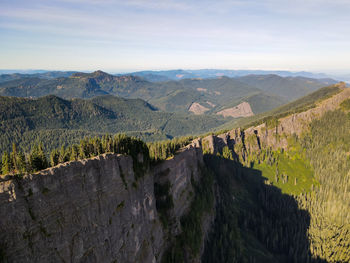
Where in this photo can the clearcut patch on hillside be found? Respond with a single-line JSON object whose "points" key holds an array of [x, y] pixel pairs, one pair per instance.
{"points": [[241, 110], [197, 109]]}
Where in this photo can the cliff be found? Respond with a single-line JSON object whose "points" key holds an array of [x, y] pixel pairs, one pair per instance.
{"points": [[84, 211], [276, 137], [94, 210], [179, 171]]}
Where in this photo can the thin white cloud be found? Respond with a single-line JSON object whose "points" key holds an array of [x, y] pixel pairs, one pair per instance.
{"points": [[144, 4], [171, 29]]}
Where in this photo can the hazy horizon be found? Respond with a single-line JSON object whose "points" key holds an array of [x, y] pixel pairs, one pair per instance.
{"points": [[124, 36], [340, 75]]}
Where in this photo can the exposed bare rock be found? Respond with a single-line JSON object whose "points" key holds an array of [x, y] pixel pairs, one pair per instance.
{"points": [[297, 123], [197, 109], [241, 110], [95, 210], [81, 212], [214, 144], [256, 137], [179, 171]]}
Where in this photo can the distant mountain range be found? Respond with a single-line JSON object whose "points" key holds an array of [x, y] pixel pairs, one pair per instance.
{"points": [[166, 75], [214, 73], [60, 107], [42, 75], [262, 92]]}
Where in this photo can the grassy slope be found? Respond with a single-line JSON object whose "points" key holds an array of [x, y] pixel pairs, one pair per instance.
{"points": [[293, 166]]}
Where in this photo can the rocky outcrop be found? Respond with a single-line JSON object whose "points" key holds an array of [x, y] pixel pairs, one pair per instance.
{"points": [[256, 137], [214, 144], [297, 123], [179, 172], [94, 210], [84, 211]]}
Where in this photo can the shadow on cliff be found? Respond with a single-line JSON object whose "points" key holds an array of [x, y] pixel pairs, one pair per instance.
{"points": [[254, 222]]}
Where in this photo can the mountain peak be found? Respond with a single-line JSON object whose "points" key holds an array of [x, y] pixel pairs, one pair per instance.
{"points": [[95, 74], [100, 73]]}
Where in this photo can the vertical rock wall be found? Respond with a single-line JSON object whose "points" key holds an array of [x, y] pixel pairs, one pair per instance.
{"points": [[93, 210], [83, 211], [179, 172]]}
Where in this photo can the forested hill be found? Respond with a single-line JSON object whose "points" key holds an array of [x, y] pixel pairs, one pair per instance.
{"points": [[289, 87], [43, 75], [307, 102], [262, 92], [214, 73], [54, 121]]}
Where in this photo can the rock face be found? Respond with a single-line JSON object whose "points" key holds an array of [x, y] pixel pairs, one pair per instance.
{"points": [[256, 137], [241, 110], [179, 172], [297, 123], [84, 211], [93, 210]]}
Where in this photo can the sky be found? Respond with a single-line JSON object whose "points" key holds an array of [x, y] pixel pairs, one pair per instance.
{"points": [[128, 35]]}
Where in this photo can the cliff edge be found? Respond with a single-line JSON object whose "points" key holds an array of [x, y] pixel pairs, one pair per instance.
{"points": [[94, 210]]}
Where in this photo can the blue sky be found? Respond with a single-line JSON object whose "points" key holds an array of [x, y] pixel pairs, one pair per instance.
{"points": [[127, 35]]}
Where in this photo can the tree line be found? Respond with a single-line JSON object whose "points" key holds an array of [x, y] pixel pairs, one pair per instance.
{"points": [[20, 162]]}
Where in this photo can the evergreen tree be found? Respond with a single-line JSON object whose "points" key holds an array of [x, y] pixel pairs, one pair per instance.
{"points": [[62, 155], [13, 157], [74, 153], [82, 150], [38, 159], [54, 157], [6, 164], [21, 162]]}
